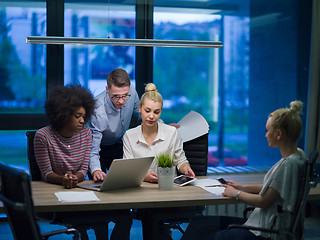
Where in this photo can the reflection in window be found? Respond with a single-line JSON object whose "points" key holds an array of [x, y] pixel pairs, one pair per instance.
{"points": [[90, 65], [190, 79], [22, 66], [13, 148]]}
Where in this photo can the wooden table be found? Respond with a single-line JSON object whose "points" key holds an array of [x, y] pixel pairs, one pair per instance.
{"points": [[146, 196]]}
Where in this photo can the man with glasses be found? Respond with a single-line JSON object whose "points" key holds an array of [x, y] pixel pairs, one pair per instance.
{"points": [[114, 109]]}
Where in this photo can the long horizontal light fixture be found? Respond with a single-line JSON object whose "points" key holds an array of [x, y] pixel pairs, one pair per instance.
{"points": [[123, 42]]}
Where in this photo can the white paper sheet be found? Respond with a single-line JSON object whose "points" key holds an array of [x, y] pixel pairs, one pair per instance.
{"points": [[204, 183], [192, 125], [87, 196]]}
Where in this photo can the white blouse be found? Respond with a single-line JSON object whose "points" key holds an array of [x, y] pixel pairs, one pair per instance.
{"points": [[167, 141]]}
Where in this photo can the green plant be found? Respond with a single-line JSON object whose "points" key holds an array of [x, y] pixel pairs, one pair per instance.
{"points": [[164, 160]]}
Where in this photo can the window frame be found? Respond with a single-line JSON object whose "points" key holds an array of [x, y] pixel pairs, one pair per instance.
{"points": [[144, 58]]}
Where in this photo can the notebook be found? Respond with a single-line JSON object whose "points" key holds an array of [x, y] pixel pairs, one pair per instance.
{"points": [[123, 173]]}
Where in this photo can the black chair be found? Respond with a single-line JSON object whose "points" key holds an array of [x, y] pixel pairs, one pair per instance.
{"points": [[15, 193], [33, 165], [56, 218], [309, 179], [196, 151]]}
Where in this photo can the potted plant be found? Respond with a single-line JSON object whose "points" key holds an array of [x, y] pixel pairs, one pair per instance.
{"points": [[166, 171]]}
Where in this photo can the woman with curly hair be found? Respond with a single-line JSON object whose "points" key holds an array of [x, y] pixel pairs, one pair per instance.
{"points": [[62, 149]]}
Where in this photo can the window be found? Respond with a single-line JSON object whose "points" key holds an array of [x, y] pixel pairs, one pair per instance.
{"points": [[236, 87], [13, 148], [263, 65], [90, 65], [22, 66]]}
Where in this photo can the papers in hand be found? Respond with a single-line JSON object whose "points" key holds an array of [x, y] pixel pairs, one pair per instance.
{"points": [[87, 196], [207, 184], [192, 125]]}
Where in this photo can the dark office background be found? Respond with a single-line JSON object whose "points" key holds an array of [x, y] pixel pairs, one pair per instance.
{"points": [[263, 65]]}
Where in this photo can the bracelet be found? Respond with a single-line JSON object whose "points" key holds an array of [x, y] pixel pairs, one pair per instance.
{"points": [[238, 194]]}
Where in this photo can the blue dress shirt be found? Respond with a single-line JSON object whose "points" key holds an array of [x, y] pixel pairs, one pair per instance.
{"points": [[109, 124]]}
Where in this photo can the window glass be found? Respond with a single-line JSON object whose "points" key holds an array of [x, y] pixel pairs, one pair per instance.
{"points": [[13, 148], [22, 65], [236, 87], [89, 65]]}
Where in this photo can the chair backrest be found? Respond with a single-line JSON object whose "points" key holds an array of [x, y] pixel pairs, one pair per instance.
{"points": [[307, 182], [33, 165], [196, 151], [15, 193]]}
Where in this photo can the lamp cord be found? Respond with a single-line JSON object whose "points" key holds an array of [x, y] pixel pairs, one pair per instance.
{"points": [[108, 20]]}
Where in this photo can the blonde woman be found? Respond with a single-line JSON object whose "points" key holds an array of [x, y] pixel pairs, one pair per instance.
{"points": [[275, 199], [153, 137]]}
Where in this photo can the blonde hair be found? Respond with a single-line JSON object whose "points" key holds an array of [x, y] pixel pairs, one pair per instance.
{"points": [[152, 93], [289, 120]]}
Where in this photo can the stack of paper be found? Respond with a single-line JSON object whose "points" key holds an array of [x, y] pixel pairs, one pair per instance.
{"points": [[210, 185], [192, 125], [87, 196]]}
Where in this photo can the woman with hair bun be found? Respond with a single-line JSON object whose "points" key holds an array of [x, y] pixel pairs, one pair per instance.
{"points": [[153, 137], [275, 199]]}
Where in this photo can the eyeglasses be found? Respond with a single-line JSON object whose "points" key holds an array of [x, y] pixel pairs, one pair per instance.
{"points": [[117, 97]]}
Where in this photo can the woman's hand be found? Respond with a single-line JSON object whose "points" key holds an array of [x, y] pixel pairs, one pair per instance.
{"points": [[234, 184], [69, 180], [229, 191], [186, 170], [151, 177]]}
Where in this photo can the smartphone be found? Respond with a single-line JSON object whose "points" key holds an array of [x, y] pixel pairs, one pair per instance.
{"points": [[222, 181], [183, 180]]}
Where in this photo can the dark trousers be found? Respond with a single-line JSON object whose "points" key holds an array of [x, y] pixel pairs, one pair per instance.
{"points": [[121, 218], [98, 221], [109, 153], [214, 228]]}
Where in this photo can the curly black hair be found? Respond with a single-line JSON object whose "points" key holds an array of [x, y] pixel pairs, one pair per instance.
{"points": [[64, 101]]}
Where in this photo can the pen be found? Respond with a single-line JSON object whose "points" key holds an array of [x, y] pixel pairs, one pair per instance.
{"points": [[213, 186]]}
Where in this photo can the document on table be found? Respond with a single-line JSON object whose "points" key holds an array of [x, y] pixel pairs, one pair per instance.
{"points": [[192, 125], [213, 183], [87, 196]]}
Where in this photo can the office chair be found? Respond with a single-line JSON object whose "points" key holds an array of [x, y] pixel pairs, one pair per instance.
{"points": [[309, 179], [35, 172], [15, 193], [54, 218], [196, 151]]}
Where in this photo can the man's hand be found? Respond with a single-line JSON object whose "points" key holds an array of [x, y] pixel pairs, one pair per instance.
{"points": [[98, 176], [174, 125]]}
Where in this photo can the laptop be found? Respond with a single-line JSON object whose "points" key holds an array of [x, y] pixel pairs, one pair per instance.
{"points": [[123, 173]]}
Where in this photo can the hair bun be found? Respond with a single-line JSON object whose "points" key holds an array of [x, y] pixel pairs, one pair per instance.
{"points": [[150, 87], [296, 106]]}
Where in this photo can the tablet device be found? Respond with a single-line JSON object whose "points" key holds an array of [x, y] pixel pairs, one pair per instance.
{"points": [[183, 180]]}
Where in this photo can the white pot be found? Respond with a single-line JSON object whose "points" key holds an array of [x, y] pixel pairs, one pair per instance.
{"points": [[165, 178]]}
